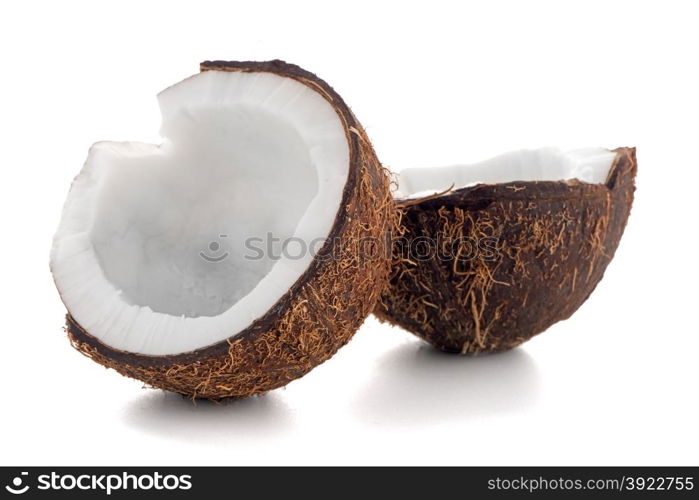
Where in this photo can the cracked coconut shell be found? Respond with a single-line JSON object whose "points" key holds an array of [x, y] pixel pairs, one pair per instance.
{"points": [[551, 243], [319, 313]]}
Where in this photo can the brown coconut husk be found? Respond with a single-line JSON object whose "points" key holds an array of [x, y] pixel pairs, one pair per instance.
{"points": [[554, 241], [318, 315]]}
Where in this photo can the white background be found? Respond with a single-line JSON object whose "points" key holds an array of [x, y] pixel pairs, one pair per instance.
{"points": [[434, 83]]}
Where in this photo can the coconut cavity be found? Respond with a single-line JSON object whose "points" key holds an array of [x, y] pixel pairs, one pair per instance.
{"points": [[590, 165], [164, 249]]}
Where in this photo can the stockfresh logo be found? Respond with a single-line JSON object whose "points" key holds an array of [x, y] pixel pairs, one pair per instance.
{"points": [[17, 486], [103, 483]]}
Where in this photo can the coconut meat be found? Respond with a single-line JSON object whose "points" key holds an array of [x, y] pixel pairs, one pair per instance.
{"points": [[591, 165], [164, 249]]}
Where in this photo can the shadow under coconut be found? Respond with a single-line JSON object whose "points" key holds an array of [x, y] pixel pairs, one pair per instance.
{"points": [[172, 415], [423, 384]]}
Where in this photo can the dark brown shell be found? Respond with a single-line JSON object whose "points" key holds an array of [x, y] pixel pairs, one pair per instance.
{"points": [[529, 254], [317, 316]]}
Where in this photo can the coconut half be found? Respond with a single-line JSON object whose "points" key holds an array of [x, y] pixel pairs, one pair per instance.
{"points": [[225, 261], [494, 253]]}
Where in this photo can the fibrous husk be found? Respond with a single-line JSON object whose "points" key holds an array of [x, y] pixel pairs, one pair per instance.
{"points": [[544, 248], [317, 316]]}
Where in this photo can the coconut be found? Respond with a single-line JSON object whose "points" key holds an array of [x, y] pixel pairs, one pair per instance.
{"points": [[494, 253], [226, 261]]}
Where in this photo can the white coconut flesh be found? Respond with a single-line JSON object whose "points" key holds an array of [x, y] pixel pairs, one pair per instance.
{"points": [[590, 165], [164, 249]]}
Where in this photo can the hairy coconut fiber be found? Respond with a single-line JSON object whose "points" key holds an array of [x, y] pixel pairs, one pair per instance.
{"points": [[317, 316], [548, 244]]}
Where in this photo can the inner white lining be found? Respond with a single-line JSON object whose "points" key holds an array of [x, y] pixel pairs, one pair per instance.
{"points": [[589, 165], [163, 249]]}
